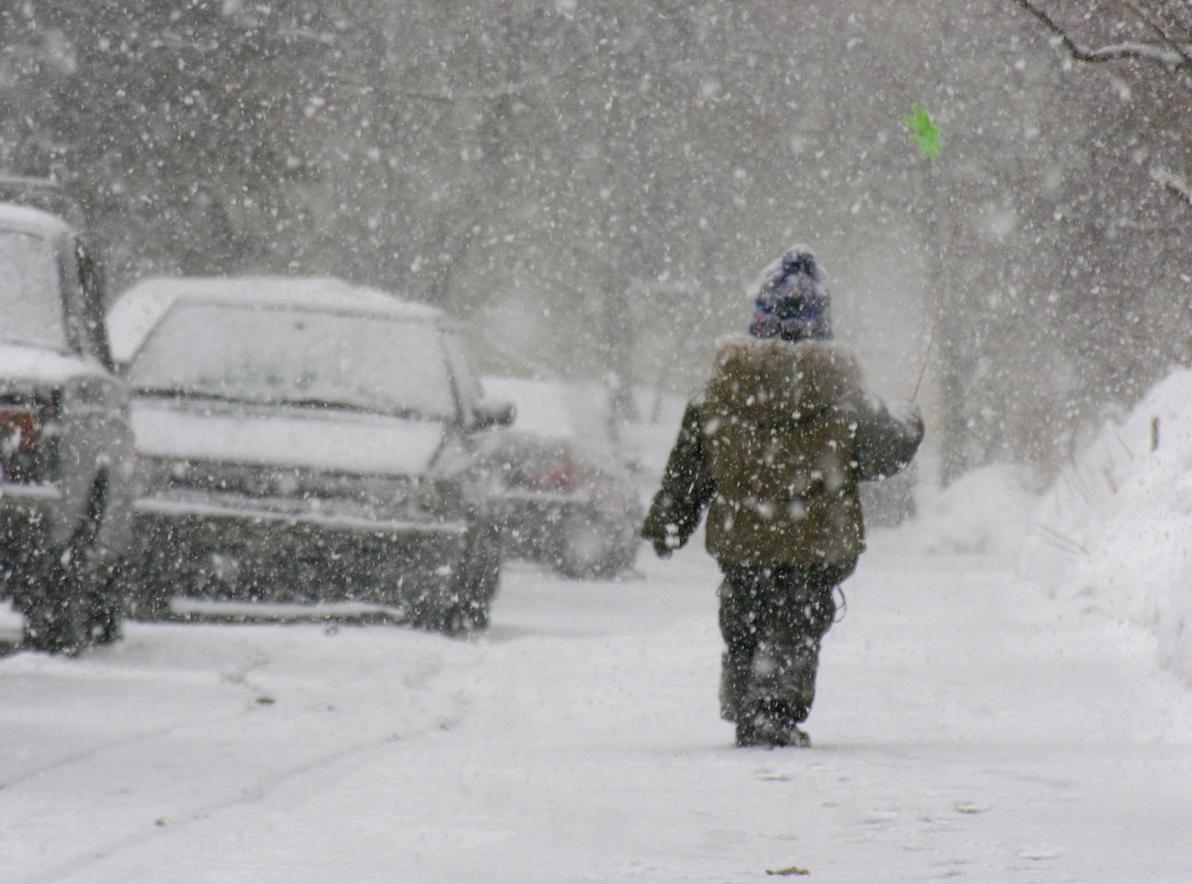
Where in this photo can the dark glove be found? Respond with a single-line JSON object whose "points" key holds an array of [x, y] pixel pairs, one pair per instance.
{"points": [[662, 549]]}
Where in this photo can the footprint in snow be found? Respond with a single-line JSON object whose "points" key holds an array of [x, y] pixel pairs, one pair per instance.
{"points": [[1040, 853]]}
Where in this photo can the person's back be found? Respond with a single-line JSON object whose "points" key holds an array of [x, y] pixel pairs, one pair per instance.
{"points": [[778, 427], [775, 447]]}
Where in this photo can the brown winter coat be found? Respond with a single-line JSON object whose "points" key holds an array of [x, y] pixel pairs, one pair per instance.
{"points": [[778, 422], [775, 447]]}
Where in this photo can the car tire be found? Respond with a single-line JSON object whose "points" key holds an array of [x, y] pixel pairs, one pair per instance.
{"points": [[106, 614], [477, 581], [474, 585], [77, 603], [57, 611], [72, 608], [589, 547]]}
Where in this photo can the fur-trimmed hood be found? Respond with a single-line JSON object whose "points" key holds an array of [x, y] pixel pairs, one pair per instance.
{"points": [[768, 380]]}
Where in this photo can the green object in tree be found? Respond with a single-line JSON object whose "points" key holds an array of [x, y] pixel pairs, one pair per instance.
{"points": [[924, 133]]}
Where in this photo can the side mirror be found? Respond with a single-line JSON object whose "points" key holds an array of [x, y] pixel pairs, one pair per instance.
{"points": [[494, 413]]}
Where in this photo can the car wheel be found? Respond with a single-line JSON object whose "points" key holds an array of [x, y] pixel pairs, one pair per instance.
{"points": [[591, 547], [458, 616], [474, 586], [60, 613], [107, 604], [76, 603]]}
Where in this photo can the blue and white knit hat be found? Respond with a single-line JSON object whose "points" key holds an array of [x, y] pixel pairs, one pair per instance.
{"points": [[792, 302]]}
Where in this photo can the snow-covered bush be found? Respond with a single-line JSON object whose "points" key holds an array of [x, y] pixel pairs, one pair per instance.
{"points": [[1115, 530]]}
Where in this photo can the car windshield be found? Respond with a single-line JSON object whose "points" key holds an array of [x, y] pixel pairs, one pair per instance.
{"points": [[30, 299], [296, 356]]}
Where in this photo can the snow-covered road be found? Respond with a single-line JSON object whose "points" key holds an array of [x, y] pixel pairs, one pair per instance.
{"points": [[967, 728]]}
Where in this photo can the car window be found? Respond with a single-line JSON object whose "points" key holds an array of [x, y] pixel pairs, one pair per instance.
{"points": [[30, 295], [305, 357]]}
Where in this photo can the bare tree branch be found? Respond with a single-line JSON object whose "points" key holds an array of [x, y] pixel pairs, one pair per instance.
{"points": [[1156, 29], [1171, 53], [1174, 55]]}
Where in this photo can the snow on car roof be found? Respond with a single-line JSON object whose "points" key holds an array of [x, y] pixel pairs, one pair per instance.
{"points": [[139, 307], [29, 220]]}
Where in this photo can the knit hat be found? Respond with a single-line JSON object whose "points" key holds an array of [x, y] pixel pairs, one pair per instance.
{"points": [[792, 302]]}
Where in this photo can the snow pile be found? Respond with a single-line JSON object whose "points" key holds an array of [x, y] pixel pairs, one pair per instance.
{"points": [[1114, 530], [986, 511]]}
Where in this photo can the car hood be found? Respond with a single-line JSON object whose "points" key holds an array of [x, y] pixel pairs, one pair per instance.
{"points": [[321, 439]]}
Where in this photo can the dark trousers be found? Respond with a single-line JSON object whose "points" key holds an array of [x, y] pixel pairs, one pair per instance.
{"points": [[772, 620]]}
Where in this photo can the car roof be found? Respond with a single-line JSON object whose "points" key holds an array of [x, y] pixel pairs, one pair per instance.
{"points": [[135, 312], [29, 220]]}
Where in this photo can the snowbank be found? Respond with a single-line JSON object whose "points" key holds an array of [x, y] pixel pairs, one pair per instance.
{"points": [[986, 511], [1115, 531]]}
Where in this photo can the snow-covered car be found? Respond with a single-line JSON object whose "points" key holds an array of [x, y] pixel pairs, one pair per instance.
{"points": [[65, 442], [565, 495], [303, 440]]}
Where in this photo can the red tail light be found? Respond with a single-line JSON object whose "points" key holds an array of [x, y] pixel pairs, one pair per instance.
{"points": [[26, 443], [562, 473], [562, 476], [542, 466]]}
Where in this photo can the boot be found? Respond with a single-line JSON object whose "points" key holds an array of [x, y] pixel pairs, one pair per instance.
{"points": [[761, 730]]}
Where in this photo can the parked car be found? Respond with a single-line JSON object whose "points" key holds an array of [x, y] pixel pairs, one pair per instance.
{"points": [[65, 442], [565, 496], [303, 440]]}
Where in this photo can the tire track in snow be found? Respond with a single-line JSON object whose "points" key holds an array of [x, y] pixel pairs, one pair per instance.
{"points": [[256, 793], [421, 679], [237, 677]]}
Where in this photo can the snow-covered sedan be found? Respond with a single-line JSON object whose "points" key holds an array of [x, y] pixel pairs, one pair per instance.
{"points": [[303, 440], [65, 443]]}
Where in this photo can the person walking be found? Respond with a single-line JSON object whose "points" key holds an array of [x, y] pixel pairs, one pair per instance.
{"points": [[773, 449]]}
